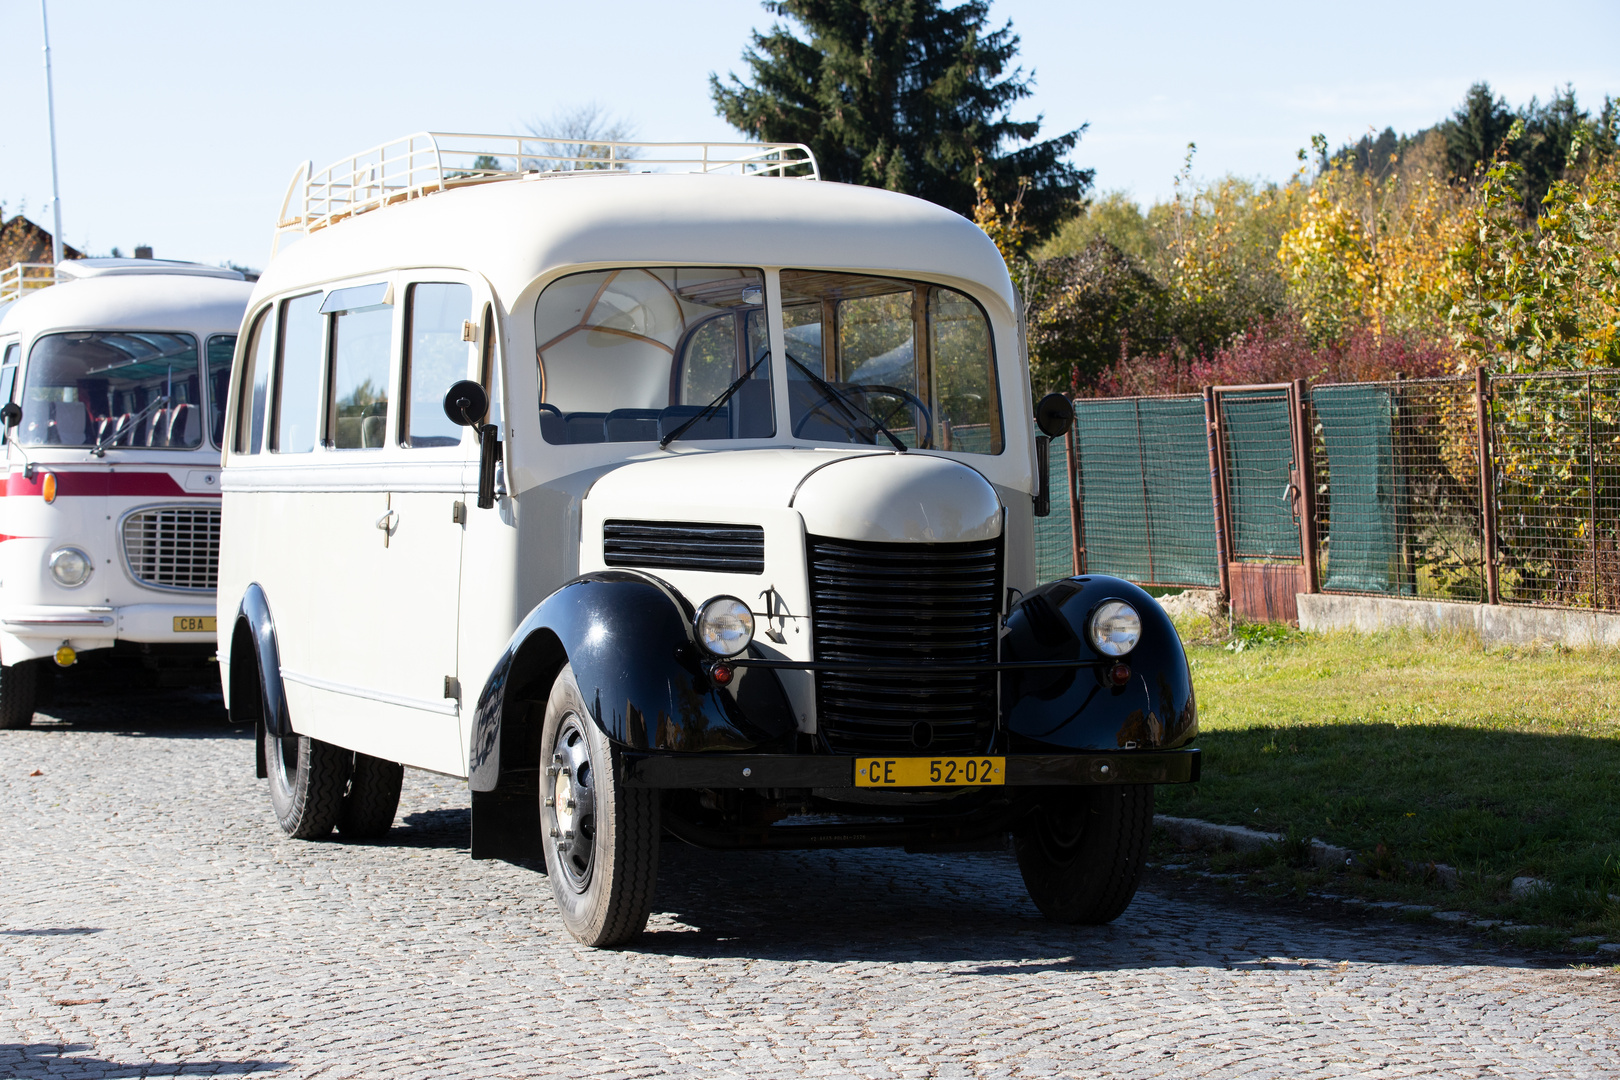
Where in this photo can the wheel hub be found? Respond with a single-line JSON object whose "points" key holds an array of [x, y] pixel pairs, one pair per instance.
{"points": [[570, 806]]}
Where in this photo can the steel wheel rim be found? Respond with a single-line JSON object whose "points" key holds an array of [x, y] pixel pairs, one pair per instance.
{"points": [[278, 749], [570, 804]]}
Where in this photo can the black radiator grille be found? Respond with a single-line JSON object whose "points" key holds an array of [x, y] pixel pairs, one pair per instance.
{"points": [[685, 545], [905, 604]]}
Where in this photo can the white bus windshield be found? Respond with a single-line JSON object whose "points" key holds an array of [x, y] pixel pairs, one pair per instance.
{"points": [[113, 387], [631, 355]]}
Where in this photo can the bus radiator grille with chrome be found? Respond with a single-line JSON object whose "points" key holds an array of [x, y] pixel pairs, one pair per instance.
{"points": [[905, 603], [174, 547]]}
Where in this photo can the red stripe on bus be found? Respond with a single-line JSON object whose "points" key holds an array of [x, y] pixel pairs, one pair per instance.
{"points": [[134, 484]]}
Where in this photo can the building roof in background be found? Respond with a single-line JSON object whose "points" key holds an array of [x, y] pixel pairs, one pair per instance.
{"points": [[21, 241]]}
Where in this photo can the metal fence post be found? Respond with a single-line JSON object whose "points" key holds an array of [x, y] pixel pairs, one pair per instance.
{"points": [[1217, 491], [1487, 486], [1077, 504], [1304, 450], [1591, 491]]}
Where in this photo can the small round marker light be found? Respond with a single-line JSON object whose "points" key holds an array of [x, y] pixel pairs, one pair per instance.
{"points": [[70, 567], [722, 673], [1120, 673], [724, 626], [1115, 628], [66, 656]]}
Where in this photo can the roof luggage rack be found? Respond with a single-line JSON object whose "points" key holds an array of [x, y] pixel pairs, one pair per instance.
{"points": [[20, 279], [430, 161]]}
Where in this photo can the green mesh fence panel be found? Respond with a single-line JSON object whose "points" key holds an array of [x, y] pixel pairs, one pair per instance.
{"points": [[1259, 450], [1144, 487], [1054, 541], [1363, 534]]}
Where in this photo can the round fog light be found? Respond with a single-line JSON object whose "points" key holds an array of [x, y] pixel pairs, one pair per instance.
{"points": [[724, 626], [70, 567], [1115, 628], [66, 656]]}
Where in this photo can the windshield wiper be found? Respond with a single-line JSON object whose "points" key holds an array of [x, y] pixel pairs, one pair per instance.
{"points": [[100, 449], [725, 395], [835, 394]]}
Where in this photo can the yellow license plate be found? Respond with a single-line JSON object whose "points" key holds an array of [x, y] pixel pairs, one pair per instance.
{"points": [[929, 772], [194, 624]]}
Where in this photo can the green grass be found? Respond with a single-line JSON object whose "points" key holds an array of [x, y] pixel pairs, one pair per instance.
{"points": [[1415, 749]]}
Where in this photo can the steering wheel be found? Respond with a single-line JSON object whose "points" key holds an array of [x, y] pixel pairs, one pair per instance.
{"points": [[850, 424]]}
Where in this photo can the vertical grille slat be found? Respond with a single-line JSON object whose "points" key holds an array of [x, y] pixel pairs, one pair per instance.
{"points": [[174, 547], [927, 603]]}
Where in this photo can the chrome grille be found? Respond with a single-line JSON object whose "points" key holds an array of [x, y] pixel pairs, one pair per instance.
{"points": [[684, 545], [903, 604], [174, 547]]}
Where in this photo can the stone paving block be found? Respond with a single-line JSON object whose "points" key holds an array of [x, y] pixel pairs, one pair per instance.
{"points": [[224, 948]]}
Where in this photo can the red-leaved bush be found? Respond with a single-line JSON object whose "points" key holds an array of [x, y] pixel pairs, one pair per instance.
{"points": [[1277, 351]]}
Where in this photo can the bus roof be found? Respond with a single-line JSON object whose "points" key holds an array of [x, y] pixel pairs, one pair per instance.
{"points": [[145, 299], [514, 231]]}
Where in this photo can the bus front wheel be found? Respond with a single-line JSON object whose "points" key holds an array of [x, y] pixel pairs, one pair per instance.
{"points": [[601, 838]]}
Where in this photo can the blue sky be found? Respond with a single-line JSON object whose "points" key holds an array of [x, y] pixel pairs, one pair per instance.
{"points": [[179, 123]]}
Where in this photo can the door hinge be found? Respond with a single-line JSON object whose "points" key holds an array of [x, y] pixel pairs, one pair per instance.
{"points": [[458, 512], [469, 330], [452, 687]]}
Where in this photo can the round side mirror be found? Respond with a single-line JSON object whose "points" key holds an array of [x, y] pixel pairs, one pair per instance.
{"points": [[465, 403], [11, 414], [1054, 415]]}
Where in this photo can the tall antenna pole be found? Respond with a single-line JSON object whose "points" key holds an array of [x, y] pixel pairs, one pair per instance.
{"points": [[50, 113]]}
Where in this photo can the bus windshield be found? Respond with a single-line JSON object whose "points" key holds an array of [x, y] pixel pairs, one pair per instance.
{"points": [[635, 354], [115, 388]]}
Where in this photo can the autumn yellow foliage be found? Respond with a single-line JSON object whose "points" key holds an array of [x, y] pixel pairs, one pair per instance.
{"points": [[1374, 250]]}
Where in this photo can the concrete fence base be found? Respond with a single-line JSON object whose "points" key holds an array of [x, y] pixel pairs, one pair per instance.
{"points": [[1492, 622]]}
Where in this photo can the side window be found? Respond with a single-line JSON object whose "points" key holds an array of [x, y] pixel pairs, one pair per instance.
{"points": [[298, 376], [255, 384], [220, 348], [8, 373], [435, 357], [362, 340]]}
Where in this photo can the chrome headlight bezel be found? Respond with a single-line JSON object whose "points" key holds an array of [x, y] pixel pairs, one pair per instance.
{"points": [[62, 566], [723, 626], [1115, 628]]}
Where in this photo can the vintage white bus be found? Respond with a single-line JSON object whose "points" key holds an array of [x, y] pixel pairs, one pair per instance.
{"points": [[668, 504], [112, 390]]}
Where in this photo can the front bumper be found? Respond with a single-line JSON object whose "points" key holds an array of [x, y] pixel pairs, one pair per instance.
{"points": [[28, 632], [829, 771]]}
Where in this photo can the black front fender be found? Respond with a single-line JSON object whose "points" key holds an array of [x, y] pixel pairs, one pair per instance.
{"points": [[1081, 709], [628, 638]]}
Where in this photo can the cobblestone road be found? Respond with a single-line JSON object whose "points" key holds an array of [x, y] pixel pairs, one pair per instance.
{"points": [[153, 921]]}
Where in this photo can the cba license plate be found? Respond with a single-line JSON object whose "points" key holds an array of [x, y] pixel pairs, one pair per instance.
{"points": [[930, 772], [194, 624]]}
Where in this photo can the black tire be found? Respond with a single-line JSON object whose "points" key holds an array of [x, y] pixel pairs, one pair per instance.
{"points": [[1081, 853], [372, 799], [601, 839], [19, 692], [307, 782]]}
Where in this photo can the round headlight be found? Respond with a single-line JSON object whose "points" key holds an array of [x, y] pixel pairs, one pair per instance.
{"points": [[70, 567], [1115, 628], [724, 626]]}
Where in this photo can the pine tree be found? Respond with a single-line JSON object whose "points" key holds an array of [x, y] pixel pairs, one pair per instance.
{"points": [[907, 95]]}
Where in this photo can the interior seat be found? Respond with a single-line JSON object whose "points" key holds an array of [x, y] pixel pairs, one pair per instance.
{"points": [[631, 425]]}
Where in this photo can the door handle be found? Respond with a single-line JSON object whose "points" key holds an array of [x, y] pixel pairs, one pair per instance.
{"points": [[388, 523]]}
